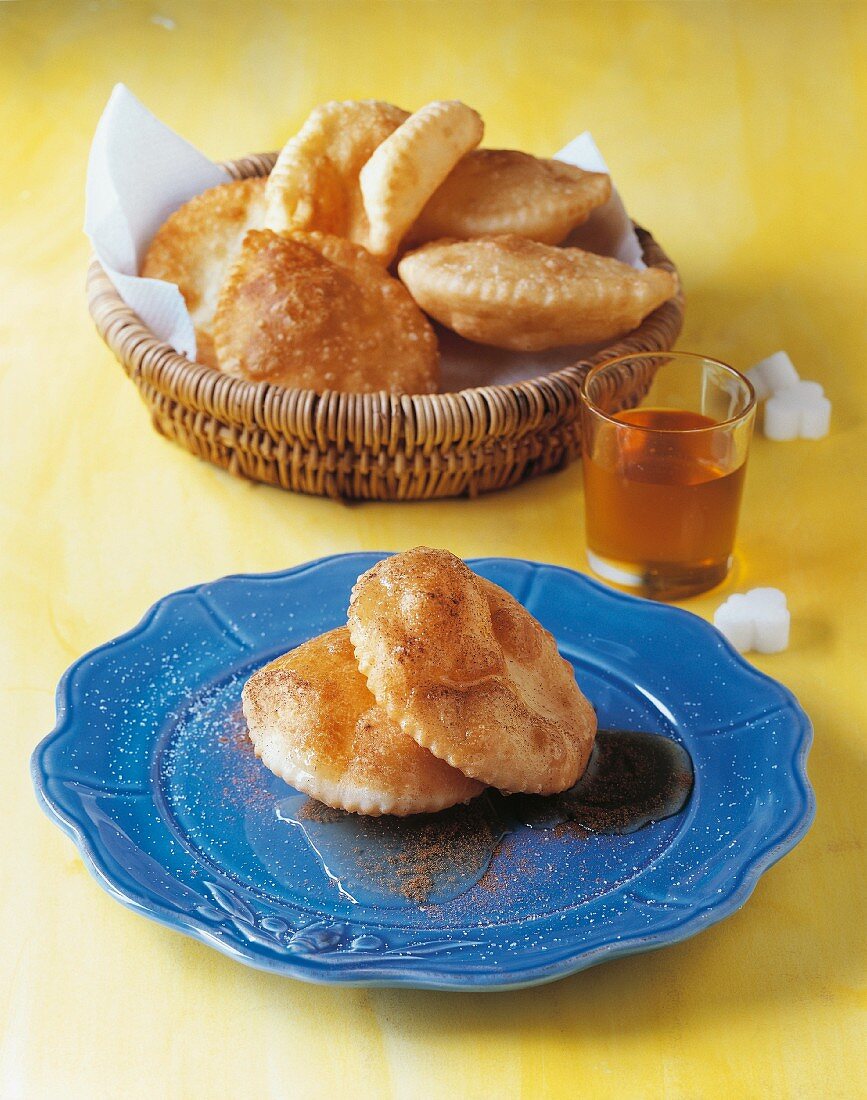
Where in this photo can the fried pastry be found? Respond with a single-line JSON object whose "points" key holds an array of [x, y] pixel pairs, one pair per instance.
{"points": [[314, 183], [317, 312], [518, 294], [408, 167], [494, 191], [314, 723], [195, 247], [464, 669]]}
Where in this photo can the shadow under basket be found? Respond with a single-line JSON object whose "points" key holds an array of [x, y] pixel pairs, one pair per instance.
{"points": [[370, 446]]}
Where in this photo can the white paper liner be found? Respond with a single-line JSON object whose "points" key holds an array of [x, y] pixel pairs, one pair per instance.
{"points": [[140, 171]]}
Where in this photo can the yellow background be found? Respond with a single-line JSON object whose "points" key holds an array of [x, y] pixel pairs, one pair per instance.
{"points": [[736, 133]]}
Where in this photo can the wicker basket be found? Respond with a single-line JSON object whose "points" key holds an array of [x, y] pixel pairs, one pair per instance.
{"points": [[368, 446]]}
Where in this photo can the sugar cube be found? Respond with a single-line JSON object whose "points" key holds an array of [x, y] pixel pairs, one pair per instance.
{"points": [[799, 411], [816, 419], [782, 420], [772, 374], [757, 620], [734, 620]]}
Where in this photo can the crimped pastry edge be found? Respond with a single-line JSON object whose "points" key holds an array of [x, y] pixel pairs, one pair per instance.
{"points": [[367, 802]]}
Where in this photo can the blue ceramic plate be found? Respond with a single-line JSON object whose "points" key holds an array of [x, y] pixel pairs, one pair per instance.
{"points": [[144, 773]]}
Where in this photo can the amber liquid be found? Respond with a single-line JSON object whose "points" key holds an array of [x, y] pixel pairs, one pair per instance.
{"points": [[662, 505]]}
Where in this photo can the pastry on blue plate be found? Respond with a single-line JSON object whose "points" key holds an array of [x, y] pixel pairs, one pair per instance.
{"points": [[466, 670], [313, 722]]}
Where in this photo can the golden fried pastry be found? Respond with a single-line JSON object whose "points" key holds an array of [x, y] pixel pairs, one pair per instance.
{"points": [[195, 247], [518, 294], [460, 665], [317, 312], [408, 167], [493, 191], [314, 723], [314, 184]]}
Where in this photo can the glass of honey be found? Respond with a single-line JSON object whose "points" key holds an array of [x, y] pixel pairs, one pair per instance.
{"points": [[663, 481]]}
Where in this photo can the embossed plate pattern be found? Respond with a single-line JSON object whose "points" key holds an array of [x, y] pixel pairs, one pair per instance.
{"points": [[169, 814]]}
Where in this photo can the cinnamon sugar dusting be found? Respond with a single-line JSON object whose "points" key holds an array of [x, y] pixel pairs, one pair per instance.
{"points": [[245, 787], [421, 855]]}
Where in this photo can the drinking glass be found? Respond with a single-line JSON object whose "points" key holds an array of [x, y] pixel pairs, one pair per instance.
{"points": [[663, 481]]}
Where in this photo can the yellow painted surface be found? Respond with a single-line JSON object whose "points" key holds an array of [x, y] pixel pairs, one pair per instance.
{"points": [[736, 132]]}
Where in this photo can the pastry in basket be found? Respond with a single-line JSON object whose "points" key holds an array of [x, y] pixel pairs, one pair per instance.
{"points": [[195, 247], [409, 166], [317, 312], [314, 723], [515, 293], [493, 191], [464, 669], [314, 183]]}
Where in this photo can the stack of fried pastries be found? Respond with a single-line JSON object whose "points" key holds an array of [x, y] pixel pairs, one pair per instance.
{"points": [[441, 684], [372, 223]]}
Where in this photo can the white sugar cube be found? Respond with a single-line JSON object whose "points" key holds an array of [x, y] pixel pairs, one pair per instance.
{"points": [[771, 630], [772, 374], [735, 623], [799, 411], [802, 392], [766, 598], [782, 419], [816, 419], [756, 620]]}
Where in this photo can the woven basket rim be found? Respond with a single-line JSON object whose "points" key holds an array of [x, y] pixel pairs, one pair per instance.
{"points": [[179, 378]]}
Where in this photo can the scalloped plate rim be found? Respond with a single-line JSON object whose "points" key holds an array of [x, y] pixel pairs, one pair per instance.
{"points": [[415, 976]]}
